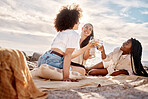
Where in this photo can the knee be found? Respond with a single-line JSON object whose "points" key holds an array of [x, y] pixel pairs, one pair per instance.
{"points": [[82, 71], [91, 72], [97, 72]]}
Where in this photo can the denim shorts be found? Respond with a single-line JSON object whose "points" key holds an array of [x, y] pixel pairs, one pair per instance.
{"points": [[51, 59]]}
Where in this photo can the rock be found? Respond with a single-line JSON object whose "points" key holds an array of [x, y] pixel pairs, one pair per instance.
{"points": [[36, 56], [27, 57]]}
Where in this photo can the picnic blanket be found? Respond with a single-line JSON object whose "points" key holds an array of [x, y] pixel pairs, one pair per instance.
{"points": [[92, 81], [15, 79]]}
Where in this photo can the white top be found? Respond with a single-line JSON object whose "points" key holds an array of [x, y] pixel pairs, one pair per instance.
{"points": [[66, 39], [80, 60], [116, 61]]}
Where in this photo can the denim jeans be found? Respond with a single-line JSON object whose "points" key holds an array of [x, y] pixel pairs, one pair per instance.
{"points": [[51, 59]]}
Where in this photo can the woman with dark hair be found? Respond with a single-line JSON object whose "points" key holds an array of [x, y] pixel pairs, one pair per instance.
{"points": [[123, 60], [64, 44], [87, 34]]}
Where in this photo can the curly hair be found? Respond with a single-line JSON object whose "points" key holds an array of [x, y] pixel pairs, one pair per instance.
{"points": [[67, 17]]}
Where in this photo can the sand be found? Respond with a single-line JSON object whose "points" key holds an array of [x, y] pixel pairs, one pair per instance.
{"points": [[114, 91], [133, 88]]}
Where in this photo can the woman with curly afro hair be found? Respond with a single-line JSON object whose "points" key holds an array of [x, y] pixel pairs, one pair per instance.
{"points": [[66, 42]]}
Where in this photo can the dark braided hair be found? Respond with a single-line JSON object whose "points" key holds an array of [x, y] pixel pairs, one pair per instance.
{"points": [[136, 53], [86, 41]]}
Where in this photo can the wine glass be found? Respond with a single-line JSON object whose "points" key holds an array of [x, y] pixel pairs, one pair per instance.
{"points": [[99, 43]]}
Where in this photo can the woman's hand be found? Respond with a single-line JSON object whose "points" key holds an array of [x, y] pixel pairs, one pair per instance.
{"points": [[91, 44], [100, 48], [70, 80]]}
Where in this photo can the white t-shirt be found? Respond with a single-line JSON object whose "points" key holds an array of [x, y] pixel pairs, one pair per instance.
{"points": [[116, 61], [66, 39]]}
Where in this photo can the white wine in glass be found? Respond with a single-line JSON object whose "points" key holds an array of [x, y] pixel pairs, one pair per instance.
{"points": [[99, 42]]}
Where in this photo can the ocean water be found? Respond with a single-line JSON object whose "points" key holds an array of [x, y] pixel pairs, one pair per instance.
{"points": [[145, 63]]}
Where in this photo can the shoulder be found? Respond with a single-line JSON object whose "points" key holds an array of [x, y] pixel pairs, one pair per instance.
{"points": [[70, 32], [66, 33]]}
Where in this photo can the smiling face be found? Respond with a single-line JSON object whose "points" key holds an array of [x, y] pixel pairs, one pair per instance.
{"points": [[126, 46], [87, 30]]}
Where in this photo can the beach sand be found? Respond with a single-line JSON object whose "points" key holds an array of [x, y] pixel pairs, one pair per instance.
{"points": [[135, 88], [105, 92]]}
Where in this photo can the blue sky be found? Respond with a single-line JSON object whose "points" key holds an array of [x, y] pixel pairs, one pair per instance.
{"points": [[28, 24], [130, 14]]}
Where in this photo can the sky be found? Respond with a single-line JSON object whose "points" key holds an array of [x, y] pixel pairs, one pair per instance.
{"points": [[28, 25]]}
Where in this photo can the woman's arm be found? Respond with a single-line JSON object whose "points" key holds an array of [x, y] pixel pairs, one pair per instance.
{"points": [[86, 54], [66, 64], [82, 50], [120, 72], [103, 55]]}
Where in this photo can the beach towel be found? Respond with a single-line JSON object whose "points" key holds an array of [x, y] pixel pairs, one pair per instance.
{"points": [[15, 79], [90, 81]]}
